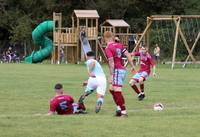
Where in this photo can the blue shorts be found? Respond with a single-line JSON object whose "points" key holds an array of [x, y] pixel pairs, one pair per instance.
{"points": [[119, 76], [138, 75]]}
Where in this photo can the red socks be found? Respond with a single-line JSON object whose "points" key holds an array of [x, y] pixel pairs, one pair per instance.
{"points": [[114, 96], [119, 99], [134, 87], [142, 87]]}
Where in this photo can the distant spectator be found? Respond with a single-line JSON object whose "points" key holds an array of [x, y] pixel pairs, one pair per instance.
{"points": [[8, 55], [62, 55], [157, 54], [15, 57], [82, 33]]}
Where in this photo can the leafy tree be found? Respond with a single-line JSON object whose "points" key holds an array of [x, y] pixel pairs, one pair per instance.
{"points": [[19, 17]]}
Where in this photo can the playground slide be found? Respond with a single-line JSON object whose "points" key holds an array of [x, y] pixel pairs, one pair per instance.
{"points": [[39, 39], [85, 44]]}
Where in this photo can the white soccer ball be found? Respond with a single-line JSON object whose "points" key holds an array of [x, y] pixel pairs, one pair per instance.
{"points": [[158, 107]]}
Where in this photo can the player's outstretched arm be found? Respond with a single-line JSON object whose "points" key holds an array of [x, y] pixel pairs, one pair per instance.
{"points": [[130, 60], [50, 113], [154, 67], [154, 71]]}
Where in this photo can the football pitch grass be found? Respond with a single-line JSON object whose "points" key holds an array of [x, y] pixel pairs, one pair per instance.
{"points": [[25, 91]]}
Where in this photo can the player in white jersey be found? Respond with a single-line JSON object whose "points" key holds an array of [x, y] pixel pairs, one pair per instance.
{"points": [[96, 81]]}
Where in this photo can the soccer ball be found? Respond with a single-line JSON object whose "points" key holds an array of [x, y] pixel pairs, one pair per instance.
{"points": [[158, 107]]}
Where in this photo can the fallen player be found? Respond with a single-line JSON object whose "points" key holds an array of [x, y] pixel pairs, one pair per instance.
{"points": [[63, 104]]}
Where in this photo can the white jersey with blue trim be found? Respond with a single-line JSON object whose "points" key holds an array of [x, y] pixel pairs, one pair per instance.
{"points": [[97, 71]]}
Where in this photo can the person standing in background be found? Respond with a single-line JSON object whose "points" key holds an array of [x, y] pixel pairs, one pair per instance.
{"points": [[156, 53]]}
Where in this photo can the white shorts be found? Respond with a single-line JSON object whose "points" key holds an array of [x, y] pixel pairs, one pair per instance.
{"points": [[98, 83]]}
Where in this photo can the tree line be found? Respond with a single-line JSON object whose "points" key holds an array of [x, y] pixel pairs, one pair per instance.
{"points": [[19, 17]]}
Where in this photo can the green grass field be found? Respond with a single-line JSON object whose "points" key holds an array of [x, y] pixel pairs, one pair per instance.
{"points": [[27, 89]]}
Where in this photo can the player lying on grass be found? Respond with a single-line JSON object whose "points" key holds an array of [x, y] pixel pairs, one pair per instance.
{"points": [[114, 52], [96, 81], [146, 62], [64, 104]]}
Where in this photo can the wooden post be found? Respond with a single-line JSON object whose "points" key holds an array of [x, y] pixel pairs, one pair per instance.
{"points": [[96, 35], [72, 39], [57, 17], [67, 60], [114, 30], [194, 45], [78, 31], [120, 30], [147, 27], [86, 24], [59, 41], [54, 31], [176, 41], [97, 27], [127, 30], [138, 43], [186, 45], [147, 42], [58, 49], [73, 24], [91, 22]]}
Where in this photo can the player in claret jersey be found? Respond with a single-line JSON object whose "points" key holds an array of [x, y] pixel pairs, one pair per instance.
{"points": [[114, 52], [64, 104], [146, 62]]}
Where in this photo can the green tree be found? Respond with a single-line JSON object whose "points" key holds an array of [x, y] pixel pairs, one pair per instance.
{"points": [[19, 17]]}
